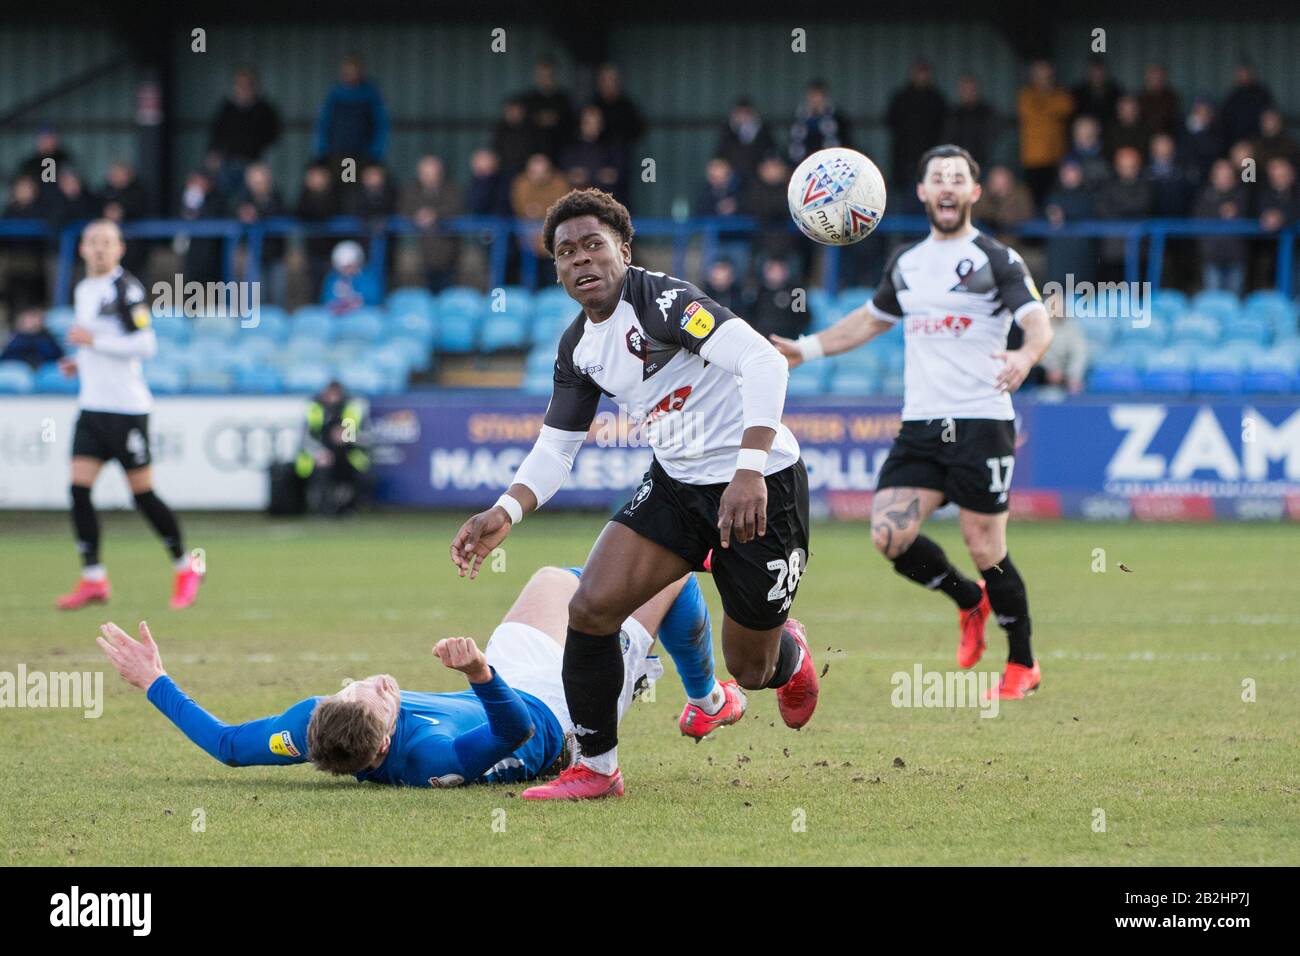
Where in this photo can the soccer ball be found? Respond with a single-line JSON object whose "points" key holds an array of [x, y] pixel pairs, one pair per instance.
{"points": [[837, 196]]}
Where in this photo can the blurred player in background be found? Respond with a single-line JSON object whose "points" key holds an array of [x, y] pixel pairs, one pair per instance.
{"points": [[511, 725], [726, 475], [112, 335], [957, 292]]}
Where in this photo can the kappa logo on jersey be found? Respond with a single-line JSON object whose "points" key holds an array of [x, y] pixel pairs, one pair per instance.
{"points": [[282, 744], [665, 301], [697, 321]]}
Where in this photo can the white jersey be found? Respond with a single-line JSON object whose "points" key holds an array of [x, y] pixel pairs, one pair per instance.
{"points": [[649, 357], [113, 309], [956, 299]]}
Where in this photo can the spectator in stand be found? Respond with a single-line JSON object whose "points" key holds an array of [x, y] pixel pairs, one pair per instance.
{"points": [[721, 285], [915, 118], [1202, 138], [244, 126], [353, 121], [1071, 201], [765, 200], [1127, 130], [1044, 110], [624, 125], [1171, 189], [1223, 258], [514, 138], [257, 201], [1127, 196], [1244, 106], [32, 342], [1004, 203], [590, 161], [1097, 94], [1086, 151], [199, 201], [720, 196], [550, 113], [24, 259], [531, 194], [376, 199], [1278, 206], [773, 312], [123, 196], [1065, 363], [817, 123], [1158, 105], [351, 284], [971, 123], [428, 202], [75, 203], [46, 164], [317, 203], [745, 140], [489, 190], [1273, 140]]}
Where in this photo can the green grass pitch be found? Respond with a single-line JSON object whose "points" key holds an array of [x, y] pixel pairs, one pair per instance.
{"points": [[1140, 723]]}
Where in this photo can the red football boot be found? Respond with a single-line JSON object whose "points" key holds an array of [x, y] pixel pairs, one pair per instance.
{"points": [[797, 698], [579, 782], [698, 723], [86, 592], [972, 645], [186, 587], [1017, 682]]}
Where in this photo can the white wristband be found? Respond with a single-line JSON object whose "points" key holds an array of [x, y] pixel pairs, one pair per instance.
{"points": [[512, 507], [810, 347], [751, 459]]}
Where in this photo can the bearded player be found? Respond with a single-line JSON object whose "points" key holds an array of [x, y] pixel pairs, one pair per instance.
{"points": [[956, 293], [726, 477]]}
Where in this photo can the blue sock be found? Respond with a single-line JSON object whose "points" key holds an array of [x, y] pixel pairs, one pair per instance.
{"points": [[688, 639]]}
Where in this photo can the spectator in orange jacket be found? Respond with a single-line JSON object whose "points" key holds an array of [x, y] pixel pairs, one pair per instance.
{"points": [[1045, 111]]}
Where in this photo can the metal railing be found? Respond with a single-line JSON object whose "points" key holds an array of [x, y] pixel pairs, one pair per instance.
{"points": [[497, 233]]}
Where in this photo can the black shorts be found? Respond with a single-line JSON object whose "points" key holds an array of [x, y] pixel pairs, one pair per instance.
{"points": [[757, 580], [969, 459], [108, 436]]}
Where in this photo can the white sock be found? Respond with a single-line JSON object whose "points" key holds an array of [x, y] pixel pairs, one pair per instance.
{"points": [[713, 702], [605, 763], [184, 562], [94, 572]]}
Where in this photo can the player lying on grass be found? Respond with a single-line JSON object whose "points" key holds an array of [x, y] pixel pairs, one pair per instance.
{"points": [[511, 725]]}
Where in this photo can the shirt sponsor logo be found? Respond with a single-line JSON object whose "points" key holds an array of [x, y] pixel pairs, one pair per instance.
{"points": [[282, 745], [954, 325], [697, 321]]}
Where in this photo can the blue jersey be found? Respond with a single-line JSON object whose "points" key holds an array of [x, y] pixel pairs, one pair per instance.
{"points": [[490, 733]]}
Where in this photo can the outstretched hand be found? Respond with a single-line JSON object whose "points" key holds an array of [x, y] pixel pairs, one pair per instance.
{"points": [[477, 538], [138, 662]]}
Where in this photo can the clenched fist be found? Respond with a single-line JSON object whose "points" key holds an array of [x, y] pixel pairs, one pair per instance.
{"points": [[462, 654]]}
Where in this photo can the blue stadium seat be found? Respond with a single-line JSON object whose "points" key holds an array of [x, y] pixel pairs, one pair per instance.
{"points": [[305, 348], [363, 378], [850, 299], [547, 328], [851, 381], [1274, 308], [59, 318], [394, 366], [417, 325], [1153, 334], [1246, 329], [540, 359], [410, 298], [16, 378], [1288, 349], [1114, 380], [891, 383], [1169, 302], [863, 360], [166, 379], [415, 351], [1099, 330], [824, 318], [1218, 303], [553, 296], [1168, 372], [363, 325], [1272, 374], [513, 299], [807, 379], [536, 383], [1196, 327], [1218, 375], [460, 312], [173, 328], [503, 330], [50, 381], [307, 377], [209, 381], [819, 300], [272, 324], [216, 327], [258, 380], [313, 321]]}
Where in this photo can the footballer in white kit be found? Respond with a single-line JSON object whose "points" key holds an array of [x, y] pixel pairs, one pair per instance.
{"points": [[956, 293], [726, 478], [112, 336]]}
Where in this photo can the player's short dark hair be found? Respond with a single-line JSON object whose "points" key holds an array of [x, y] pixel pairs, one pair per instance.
{"points": [[344, 736], [586, 202], [947, 151]]}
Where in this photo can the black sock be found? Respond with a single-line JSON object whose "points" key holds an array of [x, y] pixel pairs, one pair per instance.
{"points": [[1010, 605], [786, 662], [593, 681], [926, 564], [85, 525], [163, 521]]}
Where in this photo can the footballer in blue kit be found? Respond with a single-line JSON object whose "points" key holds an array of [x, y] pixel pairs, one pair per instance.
{"points": [[511, 725]]}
